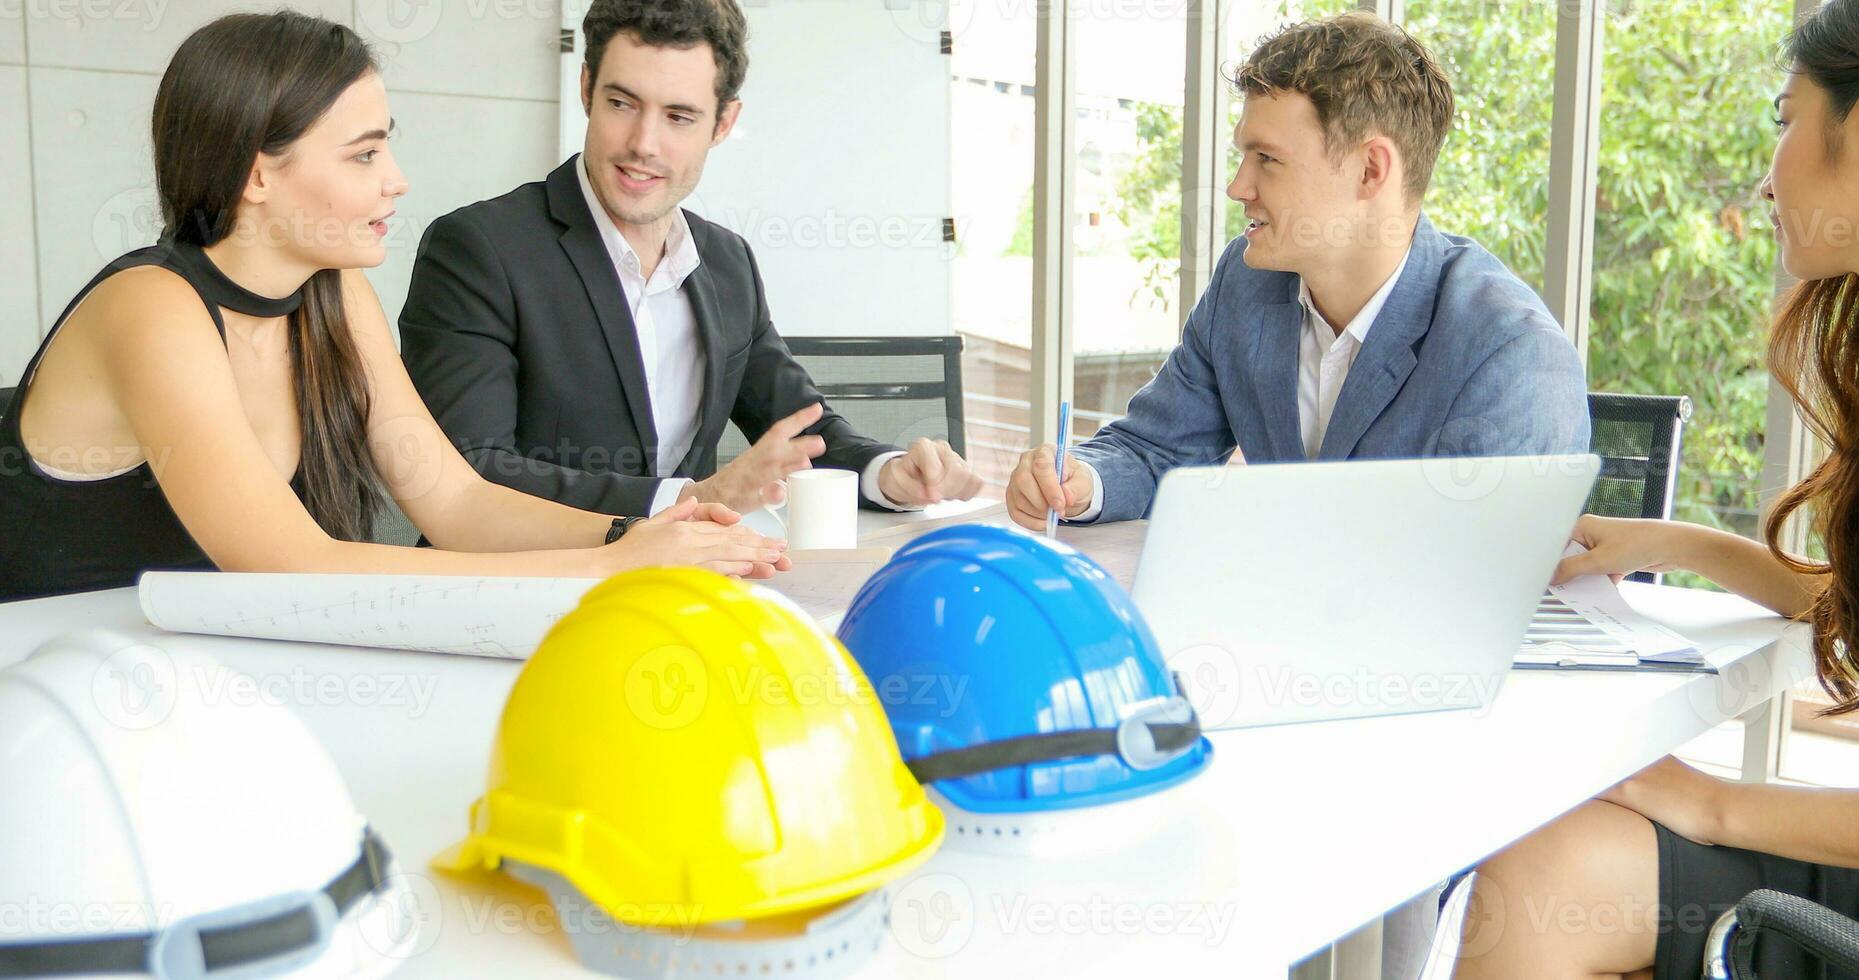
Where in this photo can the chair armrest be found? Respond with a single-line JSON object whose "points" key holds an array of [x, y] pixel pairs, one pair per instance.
{"points": [[1827, 935]]}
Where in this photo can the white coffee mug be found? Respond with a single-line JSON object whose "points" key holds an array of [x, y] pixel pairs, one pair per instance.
{"points": [[822, 509]]}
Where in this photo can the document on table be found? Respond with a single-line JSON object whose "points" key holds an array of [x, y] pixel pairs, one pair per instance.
{"points": [[469, 615], [1116, 547], [475, 616], [909, 530], [824, 581], [1587, 623]]}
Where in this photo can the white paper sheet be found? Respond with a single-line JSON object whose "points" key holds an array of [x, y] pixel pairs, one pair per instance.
{"points": [[823, 582], [1115, 546], [476, 616], [1587, 621], [897, 534]]}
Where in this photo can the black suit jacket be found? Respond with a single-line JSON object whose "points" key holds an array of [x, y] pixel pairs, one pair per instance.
{"points": [[518, 336]]}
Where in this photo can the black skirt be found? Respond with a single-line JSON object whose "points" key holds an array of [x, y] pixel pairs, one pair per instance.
{"points": [[1697, 884]]}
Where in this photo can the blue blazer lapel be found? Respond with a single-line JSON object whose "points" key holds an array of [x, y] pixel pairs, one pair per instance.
{"points": [[1274, 378], [1387, 356]]}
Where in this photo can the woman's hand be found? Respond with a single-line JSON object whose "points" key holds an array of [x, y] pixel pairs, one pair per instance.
{"points": [[1618, 547], [692, 533], [1684, 800]]}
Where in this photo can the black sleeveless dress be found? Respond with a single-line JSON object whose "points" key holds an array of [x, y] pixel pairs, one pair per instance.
{"points": [[61, 535]]}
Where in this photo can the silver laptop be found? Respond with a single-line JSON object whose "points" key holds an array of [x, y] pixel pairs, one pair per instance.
{"points": [[1303, 592]]}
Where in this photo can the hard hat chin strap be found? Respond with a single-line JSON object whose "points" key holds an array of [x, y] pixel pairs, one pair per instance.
{"points": [[1145, 740], [294, 926]]}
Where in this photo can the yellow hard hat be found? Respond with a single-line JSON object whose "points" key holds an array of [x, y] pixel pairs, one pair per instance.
{"points": [[683, 747]]}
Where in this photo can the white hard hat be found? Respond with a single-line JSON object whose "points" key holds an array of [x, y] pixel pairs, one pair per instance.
{"points": [[155, 818]]}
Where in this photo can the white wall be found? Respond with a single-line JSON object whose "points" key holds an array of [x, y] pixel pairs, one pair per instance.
{"points": [[838, 172], [472, 84]]}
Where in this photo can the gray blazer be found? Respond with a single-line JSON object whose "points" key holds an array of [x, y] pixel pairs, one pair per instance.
{"points": [[1464, 360]]}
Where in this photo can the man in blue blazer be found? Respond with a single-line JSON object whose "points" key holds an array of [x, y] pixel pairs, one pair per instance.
{"points": [[1342, 324]]}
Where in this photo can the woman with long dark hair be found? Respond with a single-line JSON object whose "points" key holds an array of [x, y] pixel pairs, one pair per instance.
{"points": [[1629, 884], [231, 396]]}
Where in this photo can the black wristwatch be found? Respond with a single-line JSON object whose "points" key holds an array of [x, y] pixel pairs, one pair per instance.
{"points": [[620, 526]]}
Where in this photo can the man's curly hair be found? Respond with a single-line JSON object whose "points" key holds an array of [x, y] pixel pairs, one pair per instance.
{"points": [[1365, 77]]}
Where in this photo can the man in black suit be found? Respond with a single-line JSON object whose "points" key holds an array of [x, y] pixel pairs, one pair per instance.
{"points": [[584, 339]]}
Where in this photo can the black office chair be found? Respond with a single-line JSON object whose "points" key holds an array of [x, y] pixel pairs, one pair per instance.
{"points": [[1730, 953], [1639, 438], [6, 401], [892, 389]]}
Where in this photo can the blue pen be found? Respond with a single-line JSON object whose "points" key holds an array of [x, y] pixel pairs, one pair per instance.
{"points": [[1065, 427]]}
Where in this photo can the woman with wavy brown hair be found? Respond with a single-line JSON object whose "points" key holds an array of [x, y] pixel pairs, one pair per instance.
{"points": [[1630, 883], [231, 396]]}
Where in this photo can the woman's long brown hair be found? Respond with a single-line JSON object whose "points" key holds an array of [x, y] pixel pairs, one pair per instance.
{"points": [[248, 84], [1814, 354]]}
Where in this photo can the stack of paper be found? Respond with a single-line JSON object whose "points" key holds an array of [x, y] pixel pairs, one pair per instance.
{"points": [[824, 581], [1116, 547], [1586, 622]]}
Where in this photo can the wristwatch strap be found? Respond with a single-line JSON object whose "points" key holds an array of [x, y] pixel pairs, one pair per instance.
{"points": [[620, 526]]}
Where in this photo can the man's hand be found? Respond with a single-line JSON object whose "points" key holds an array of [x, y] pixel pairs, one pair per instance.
{"points": [[929, 472], [1034, 488], [752, 480]]}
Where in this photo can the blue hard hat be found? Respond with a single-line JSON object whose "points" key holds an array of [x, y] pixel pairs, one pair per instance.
{"points": [[1018, 675]]}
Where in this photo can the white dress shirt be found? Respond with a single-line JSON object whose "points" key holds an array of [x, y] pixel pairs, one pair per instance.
{"points": [[1323, 361], [1325, 356], [669, 345]]}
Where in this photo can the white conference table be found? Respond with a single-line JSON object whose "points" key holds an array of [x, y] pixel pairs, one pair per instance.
{"points": [[1294, 836]]}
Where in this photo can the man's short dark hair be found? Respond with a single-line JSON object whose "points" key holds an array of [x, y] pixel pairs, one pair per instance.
{"points": [[674, 24]]}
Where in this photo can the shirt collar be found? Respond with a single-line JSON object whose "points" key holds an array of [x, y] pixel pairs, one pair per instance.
{"points": [[1358, 327], [681, 258]]}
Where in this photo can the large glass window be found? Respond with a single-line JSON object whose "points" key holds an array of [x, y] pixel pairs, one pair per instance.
{"points": [[1684, 259], [1126, 269], [1128, 263], [991, 173], [1492, 179]]}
